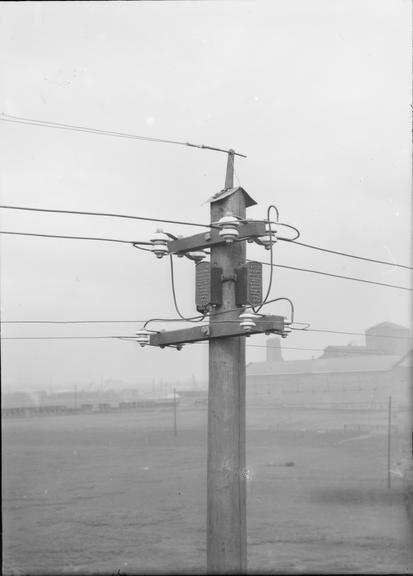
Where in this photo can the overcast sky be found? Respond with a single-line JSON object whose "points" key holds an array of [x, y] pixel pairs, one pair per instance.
{"points": [[316, 93]]}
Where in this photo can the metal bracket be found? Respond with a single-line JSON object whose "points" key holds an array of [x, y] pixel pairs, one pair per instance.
{"points": [[222, 329], [229, 278], [247, 231]]}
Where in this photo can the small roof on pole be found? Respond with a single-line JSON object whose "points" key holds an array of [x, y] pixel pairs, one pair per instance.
{"points": [[227, 192]]}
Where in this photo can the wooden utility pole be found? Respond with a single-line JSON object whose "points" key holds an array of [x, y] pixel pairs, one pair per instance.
{"points": [[223, 287], [226, 478]]}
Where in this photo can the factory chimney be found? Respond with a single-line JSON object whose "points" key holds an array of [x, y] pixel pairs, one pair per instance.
{"points": [[274, 350]]}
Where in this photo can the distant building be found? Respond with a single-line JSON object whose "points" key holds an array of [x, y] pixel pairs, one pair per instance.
{"points": [[348, 350], [389, 338], [384, 338], [342, 374]]}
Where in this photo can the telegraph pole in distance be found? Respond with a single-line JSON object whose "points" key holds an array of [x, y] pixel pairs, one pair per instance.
{"points": [[175, 429], [226, 482], [389, 444]]}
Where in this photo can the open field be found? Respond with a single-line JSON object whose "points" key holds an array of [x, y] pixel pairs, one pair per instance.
{"points": [[118, 493]]}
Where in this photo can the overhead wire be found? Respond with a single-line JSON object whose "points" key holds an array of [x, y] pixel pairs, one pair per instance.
{"points": [[132, 339], [71, 321], [63, 126], [58, 337], [28, 121], [337, 252], [187, 319], [133, 242], [337, 276], [185, 223], [274, 347], [351, 333], [271, 256], [289, 301], [320, 330], [106, 214]]}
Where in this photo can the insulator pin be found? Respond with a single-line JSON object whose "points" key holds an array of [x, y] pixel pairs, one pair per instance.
{"points": [[159, 242], [229, 228], [270, 236], [247, 321], [143, 337]]}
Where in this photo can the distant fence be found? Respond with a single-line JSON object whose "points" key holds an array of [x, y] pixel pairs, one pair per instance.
{"points": [[370, 427], [27, 411], [54, 410], [304, 426], [379, 406]]}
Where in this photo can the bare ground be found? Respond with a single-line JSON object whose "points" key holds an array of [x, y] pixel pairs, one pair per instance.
{"points": [[118, 493]]}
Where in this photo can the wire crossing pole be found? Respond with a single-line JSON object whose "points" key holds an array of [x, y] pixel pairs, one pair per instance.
{"points": [[226, 483]]}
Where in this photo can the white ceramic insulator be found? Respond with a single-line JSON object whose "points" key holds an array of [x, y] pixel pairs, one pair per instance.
{"points": [[229, 233], [197, 255], [143, 337], [247, 325], [160, 250]]}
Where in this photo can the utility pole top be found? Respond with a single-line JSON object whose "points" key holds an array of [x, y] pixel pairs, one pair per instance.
{"points": [[229, 178], [229, 185]]}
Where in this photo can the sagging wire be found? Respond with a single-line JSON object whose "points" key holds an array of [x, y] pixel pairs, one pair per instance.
{"points": [[270, 207], [291, 321], [191, 318], [187, 319], [136, 245], [267, 221], [289, 226], [181, 317]]}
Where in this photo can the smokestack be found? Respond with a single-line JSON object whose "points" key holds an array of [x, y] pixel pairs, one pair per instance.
{"points": [[274, 350]]}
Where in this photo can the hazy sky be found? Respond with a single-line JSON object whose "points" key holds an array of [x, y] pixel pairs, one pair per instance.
{"points": [[317, 93]]}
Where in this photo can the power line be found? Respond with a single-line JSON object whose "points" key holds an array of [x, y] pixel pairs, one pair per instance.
{"points": [[59, 337], [281, 348], [107, 214], [75, 237], [62, 126], [133, 339], [136, 244], [351, 333], [71, 321], [187, 319], [349, 255], [183, 223], [271, 257], [284, 348], [312, 271], [321, 330]]}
